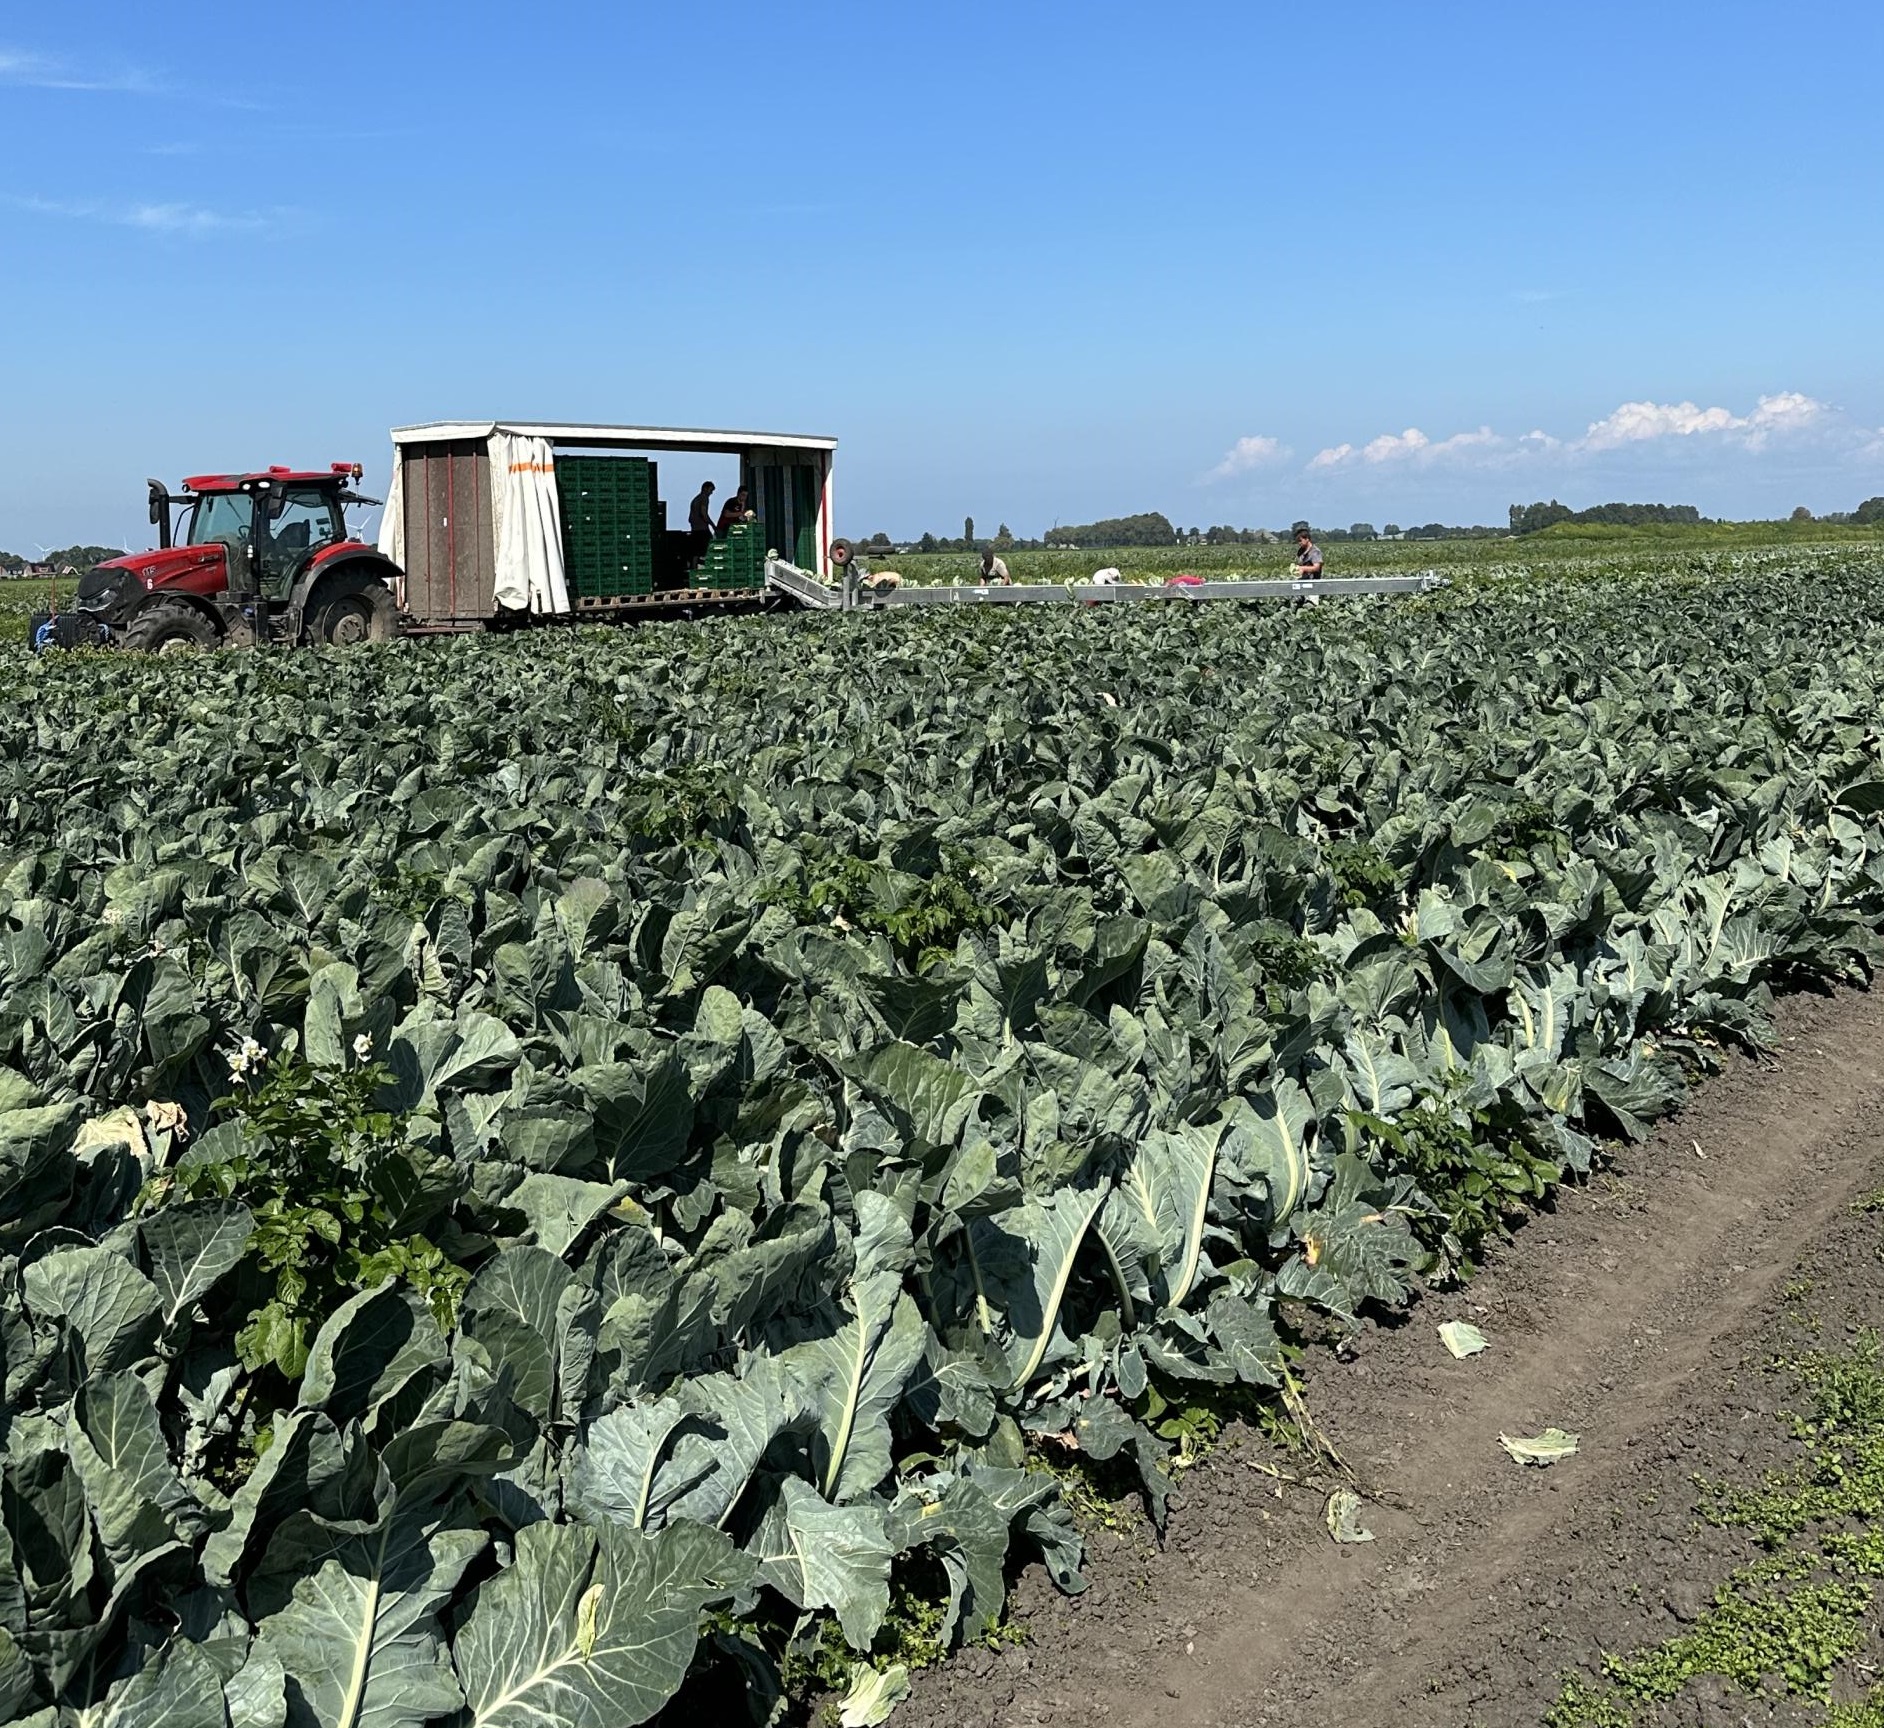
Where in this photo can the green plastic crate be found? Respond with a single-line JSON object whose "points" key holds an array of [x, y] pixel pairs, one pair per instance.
{"points": [[610, 519]]}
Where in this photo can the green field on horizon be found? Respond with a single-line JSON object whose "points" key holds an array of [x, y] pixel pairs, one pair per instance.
{"points": [[1562, 549]]}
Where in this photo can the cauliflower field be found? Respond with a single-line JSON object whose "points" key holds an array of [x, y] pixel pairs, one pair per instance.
{"points": [[530, 1167]]}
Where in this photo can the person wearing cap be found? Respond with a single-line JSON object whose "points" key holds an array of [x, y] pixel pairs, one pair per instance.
{"points": [[1307, 554], [994, 569]]}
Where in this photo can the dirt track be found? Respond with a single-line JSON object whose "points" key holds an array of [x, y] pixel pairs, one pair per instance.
{"points": [[1635, 1314]]}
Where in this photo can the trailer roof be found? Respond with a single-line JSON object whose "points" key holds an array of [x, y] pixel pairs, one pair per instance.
{"points": [[611, 437]]}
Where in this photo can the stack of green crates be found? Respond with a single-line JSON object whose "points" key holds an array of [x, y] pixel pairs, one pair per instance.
{"points": [[735, 561], [609, 524]]}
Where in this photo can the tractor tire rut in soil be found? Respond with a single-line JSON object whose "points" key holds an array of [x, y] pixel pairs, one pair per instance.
{"points": [[1636, 1313]]}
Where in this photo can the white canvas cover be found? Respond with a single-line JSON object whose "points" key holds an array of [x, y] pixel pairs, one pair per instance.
{"points": [[529, 526], [392, 524]]}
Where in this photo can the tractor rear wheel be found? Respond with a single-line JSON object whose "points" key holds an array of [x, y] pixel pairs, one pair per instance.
{"points": [[352, 609], [171, 627]]}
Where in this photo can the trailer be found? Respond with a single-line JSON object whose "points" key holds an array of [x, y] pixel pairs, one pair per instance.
{"points": [[495, 524]]}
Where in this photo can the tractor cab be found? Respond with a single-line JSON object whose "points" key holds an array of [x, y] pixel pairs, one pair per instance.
{"points": [[269, 525], [240, 558]]}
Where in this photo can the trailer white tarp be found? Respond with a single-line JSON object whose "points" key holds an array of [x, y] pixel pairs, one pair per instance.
{"points": [[529, 526], [392, 522]]}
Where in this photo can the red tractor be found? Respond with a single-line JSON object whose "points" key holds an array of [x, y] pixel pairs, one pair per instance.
{"points": [[252, 558]]}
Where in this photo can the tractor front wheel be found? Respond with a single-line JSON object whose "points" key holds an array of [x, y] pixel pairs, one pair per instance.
{"points": [[353, 609], [171, 627]]}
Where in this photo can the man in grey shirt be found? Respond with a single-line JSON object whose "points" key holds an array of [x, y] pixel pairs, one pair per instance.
{"points": [[1307, 554]]}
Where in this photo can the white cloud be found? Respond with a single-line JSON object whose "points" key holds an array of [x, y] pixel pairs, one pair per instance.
{"points": [[1410, 445], [1390, 448], [1790, 415], [43, 72], [1788, 412], [1462, 442], [1246, 454], [1640, 422], [190, 220]]}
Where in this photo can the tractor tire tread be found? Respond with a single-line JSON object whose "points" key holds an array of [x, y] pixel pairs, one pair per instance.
{"points": [[166, 621]]}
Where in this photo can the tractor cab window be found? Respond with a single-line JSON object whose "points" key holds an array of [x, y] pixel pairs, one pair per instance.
{"points": [[299, 522], [222, 518]]}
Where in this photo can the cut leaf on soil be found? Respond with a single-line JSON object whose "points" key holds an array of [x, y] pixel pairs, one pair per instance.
{"points": [[1344, 1517], [1462, 1339], [1543, 1449], [873, 1695]]}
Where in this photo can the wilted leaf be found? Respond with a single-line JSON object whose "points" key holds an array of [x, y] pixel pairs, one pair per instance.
{"points": [[1462, 1339], [874, 1693], [1542, 1449], [1343, 1517]]}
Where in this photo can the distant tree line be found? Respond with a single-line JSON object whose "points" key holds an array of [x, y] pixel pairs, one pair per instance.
{"points": [[1228, 536], [1458, 531], [61, 558], [1535, 518], [1868, 514], [1153, 528]]}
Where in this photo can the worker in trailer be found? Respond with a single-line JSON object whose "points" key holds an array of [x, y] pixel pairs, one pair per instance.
{"points": [[1307, 554], [700, 523], [994, 570], [737, 510]]}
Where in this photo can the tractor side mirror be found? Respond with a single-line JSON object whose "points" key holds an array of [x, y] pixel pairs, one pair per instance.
{"points": [[160, 510]]}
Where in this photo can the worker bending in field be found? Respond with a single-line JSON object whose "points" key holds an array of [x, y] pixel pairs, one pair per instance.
{"points": [[994, 570], [1307, 554]]}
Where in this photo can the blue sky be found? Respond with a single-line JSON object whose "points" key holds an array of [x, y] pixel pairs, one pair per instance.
{"points": [[1032, 263]]}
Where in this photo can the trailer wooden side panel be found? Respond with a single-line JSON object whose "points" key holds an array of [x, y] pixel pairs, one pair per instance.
{"points": [[451, 543]]}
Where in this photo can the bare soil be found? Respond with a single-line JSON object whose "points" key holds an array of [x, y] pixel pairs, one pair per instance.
{"points": [[1639, 1313]]}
